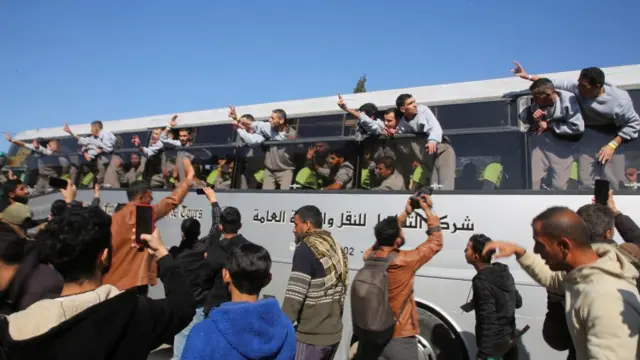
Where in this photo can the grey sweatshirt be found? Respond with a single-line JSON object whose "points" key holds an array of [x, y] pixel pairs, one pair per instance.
{"points": [[614, 107], [565, 117], [277, 158], [425, 122]]}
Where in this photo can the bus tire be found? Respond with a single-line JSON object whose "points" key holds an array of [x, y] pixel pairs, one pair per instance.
{"points": [[438, 340]]}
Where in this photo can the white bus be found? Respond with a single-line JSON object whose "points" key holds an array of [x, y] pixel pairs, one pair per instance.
{"points": [[481, 120]]}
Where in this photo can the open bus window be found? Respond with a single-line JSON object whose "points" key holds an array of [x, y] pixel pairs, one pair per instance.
{"points": [[473, 115], [463, 162], [127, 138], [320, 126], [214, 135]]}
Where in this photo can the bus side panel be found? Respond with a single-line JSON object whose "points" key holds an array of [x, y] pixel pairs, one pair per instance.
{"points": [[444, 281]]}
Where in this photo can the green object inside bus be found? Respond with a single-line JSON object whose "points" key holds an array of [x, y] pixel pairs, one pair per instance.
{"points": [[493, 173], [419, 175], [213, 175], [308, 179], [86, 181], [259, 176], [574, 170], [365, 179]]}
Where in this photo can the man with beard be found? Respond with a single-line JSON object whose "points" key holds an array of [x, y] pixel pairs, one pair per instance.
{"points": [[14, 190], [314, 299], [599, 285]]}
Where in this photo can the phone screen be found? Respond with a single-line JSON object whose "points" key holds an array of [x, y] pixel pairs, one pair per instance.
{"points": [[58, 183], [144, 222], [601, 191], [200, 191]]}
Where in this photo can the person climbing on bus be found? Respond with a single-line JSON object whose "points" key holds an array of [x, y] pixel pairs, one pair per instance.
{"points": [[370, 124], [45, 171], [278, 164], [609, 112], [557, 120], [95, 149], [438, 157], [251, 158]]}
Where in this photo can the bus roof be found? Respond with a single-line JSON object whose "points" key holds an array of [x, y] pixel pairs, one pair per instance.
{"points": [[623, 76]]}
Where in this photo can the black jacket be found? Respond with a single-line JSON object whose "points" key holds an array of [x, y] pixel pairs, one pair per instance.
{"points": [[190, 255], [32, 282], [495, 300], [217, 257], [124, 326]]}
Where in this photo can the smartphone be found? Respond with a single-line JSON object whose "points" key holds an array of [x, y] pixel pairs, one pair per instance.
{"points": [[601, 191], [144, 223], [58, 183], [200, 191]]}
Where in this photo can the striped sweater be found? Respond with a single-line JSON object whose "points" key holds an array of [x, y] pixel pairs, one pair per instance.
{"points": [[309, 302]]}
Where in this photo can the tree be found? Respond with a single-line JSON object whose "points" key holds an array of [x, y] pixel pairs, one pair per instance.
{"points": [[361, 85]]}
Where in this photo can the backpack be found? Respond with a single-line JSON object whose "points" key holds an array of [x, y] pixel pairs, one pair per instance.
{"points": [[371, 314]]}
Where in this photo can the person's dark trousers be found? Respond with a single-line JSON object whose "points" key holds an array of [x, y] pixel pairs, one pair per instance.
{"points": [[315, 352], [142, 290], [405, 348]]}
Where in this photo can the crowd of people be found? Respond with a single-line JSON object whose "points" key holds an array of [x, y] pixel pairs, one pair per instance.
{"points": [[78, 286], [583, 127]]}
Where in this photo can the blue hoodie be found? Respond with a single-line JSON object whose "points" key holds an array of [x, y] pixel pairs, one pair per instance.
{"points": [[241, 330]]}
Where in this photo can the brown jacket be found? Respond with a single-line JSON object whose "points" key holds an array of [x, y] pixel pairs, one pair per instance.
{"points": [[401, 275], [130, 267]]}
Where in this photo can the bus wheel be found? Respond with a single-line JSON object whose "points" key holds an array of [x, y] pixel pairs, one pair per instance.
{"points": [[437, 341]]}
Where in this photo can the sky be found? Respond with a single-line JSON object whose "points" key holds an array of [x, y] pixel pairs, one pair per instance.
{"points": [[79, 61]]}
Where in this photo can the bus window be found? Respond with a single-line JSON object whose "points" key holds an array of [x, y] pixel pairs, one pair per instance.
{"points": [[127, 137], [69, 144], [214, 135], [350, 123], [320, 126], [328, 165], [635, 97], [463, 162], [473, 115], [493, 161]]}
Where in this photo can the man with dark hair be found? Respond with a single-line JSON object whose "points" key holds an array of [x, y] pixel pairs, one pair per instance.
{"points": [[91, 320], [45, 171], [438, 155], [495, 300], [340, 174], [95, 147], [219, 244], [601, 222], [245, 328], [317, 287], [387, 177], [277, 161], [598, 283], [402, 267], [14, 190], [132, 268], [190, 254], [609, 112], [553, 152]]}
